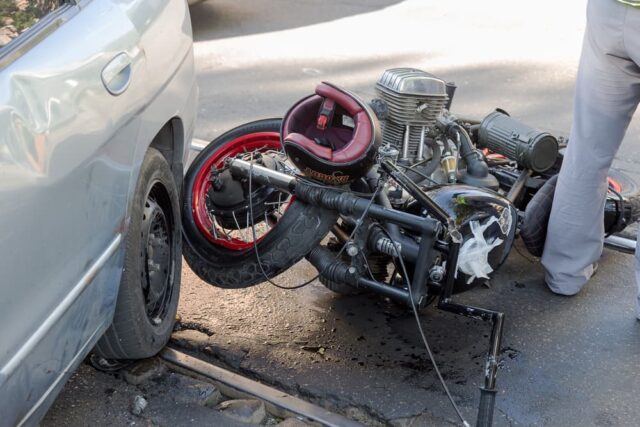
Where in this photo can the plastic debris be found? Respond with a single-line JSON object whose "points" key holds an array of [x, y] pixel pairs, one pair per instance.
{"points": [[139, 405], [473, 259]]}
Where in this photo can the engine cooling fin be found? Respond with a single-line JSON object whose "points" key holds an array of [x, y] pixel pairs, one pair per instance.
{"points": [[413, 100], [413, 97]]}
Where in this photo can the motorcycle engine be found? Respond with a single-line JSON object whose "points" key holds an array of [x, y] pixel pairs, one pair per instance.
{"points": [[410, 102]]}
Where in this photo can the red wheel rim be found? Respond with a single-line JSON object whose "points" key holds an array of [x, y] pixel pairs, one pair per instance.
{"points": [[258, 141], [615, 185]]}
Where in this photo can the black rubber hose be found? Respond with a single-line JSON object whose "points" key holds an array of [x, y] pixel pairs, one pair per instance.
{"points": [[434, 163], [372, 178], [476, 166], [337, 271]]}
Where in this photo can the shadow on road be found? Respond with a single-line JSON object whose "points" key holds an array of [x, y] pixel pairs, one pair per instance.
{"points": [[217, 19], [528, 92]]}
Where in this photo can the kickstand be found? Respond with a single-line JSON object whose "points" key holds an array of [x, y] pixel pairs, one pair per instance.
{"points": [[488, 391]]}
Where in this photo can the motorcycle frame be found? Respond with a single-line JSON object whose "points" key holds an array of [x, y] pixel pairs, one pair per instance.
{"points": [[429, 230]]}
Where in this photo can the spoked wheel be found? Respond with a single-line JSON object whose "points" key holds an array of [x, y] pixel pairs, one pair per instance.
{"points": [[221, 213], [220, 204]]}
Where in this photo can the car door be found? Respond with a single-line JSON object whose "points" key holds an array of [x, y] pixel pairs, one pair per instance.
{"points": [[70, 89]]}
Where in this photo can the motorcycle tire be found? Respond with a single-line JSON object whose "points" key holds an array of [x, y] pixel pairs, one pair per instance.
{"points": [[533, 230], [297, 232]]}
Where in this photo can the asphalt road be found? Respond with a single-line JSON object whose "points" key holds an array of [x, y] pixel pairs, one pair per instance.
{"points": [[565, 361]]}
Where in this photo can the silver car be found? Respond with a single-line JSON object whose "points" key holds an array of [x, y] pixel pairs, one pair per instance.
{"points": [[97, 107]]}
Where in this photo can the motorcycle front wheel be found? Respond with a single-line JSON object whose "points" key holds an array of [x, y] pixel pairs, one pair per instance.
{"points": [[220, 249]]}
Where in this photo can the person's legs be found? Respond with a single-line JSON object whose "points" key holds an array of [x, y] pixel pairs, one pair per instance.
{"points": [[607, 94], [632, 43]]}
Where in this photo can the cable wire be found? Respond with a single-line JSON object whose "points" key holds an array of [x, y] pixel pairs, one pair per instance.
{"points": [[404, 270], [255, 243], [424, 338], [417, 172]]}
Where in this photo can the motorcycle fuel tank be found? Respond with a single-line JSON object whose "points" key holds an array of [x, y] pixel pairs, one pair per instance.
{"points": [[487, 222]]}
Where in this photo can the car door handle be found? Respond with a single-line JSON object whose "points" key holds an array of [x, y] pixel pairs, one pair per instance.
{"points": [[116, 75]]}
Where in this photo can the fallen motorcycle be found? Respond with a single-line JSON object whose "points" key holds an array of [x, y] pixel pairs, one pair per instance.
{"points": [[421, 204]]}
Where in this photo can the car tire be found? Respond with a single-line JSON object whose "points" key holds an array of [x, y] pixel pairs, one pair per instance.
{"points": [[149, 289]]}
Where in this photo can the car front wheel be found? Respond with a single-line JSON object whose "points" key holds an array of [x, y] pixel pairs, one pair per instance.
{"points": [[148, 295]]}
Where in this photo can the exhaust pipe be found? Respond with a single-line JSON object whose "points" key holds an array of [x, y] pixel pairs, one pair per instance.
{"points": [[621, 244]]}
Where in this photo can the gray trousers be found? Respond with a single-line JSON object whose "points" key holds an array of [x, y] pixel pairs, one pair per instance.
{"points": [[607, 94]]}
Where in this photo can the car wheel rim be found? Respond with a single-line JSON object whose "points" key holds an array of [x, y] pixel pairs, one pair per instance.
{"points": [[158, 266]]}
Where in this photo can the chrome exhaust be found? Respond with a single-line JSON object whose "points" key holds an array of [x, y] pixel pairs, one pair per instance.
{"points": [[261, 175], [621, 244]]}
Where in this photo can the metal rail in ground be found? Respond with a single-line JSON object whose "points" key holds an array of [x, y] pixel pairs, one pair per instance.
{"points": [[267, 394]]}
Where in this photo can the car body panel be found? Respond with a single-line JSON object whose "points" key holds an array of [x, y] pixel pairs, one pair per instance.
{"points": [[70, 154], [63, 342]]}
